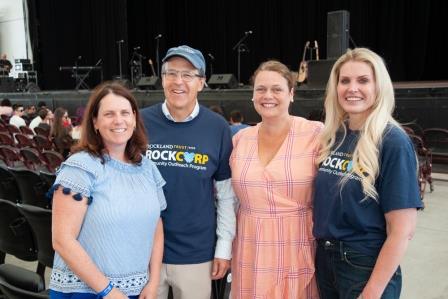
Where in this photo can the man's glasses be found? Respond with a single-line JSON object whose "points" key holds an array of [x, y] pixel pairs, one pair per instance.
{"points": [[185, 75]]}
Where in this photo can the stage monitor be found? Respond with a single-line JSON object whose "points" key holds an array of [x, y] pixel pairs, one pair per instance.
{"points": [[222, 81]]}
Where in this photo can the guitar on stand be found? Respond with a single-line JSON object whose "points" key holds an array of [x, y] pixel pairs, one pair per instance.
{"points": [[303, 68]]}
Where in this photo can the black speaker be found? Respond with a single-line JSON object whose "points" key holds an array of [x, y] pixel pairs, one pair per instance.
{"points": [[222, 81], [338, 33], [319, 72], [152, 82], [7, 84]]}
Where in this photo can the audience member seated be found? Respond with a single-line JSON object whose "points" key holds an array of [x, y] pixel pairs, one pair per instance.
{"points": [[5, 107], [43, 116], [17, 119], [29, 114], [76, 131], [236, 121], [61, 131]]}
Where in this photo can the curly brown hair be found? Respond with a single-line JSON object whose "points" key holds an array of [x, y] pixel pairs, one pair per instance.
{"points": [[93, 143]]}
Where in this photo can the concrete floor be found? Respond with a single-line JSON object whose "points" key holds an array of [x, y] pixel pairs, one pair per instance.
{"points": [[425, 266]]}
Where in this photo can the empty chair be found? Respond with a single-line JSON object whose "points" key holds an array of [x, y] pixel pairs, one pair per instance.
{"points": [[42, 131], [24, 140], [40, 222], [43, 142], [32, 188], [53, 159], [437, 140], [10, 155], [6, 139], [12, 129], [26, 130], [8, 186], [16, 236], [20, 283], [31, 158]]}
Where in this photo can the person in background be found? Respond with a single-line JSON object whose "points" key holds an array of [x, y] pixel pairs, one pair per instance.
{"points": [[41, 104], [107, 232], [217, 109], [76, 130], [29, 113], [61, 131], [273, 169], [236, 122], [366, 196], [191, 147], [6, 108], [16, 119], [41, 115], [5, 65]]}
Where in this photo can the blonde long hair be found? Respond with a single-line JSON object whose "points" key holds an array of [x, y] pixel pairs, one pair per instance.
{"points": [[366, 154]]}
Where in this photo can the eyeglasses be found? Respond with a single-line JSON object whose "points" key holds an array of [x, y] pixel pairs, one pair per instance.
{"points": [[185, 75]]}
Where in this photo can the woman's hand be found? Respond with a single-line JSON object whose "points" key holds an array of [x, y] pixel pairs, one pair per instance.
{"points": [[149, 291]]}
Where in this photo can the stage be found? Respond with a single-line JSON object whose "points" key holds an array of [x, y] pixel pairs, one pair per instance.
{"points": [[425, 103]]}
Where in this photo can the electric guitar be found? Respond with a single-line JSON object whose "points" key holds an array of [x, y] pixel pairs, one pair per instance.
{"points": [[303, 68]]}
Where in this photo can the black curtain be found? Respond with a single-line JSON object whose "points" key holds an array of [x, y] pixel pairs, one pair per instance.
{"points": [[79, 32], [410, 35]]}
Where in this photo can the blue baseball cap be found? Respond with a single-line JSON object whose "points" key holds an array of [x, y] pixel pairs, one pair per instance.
{"points": [[194, 56]]}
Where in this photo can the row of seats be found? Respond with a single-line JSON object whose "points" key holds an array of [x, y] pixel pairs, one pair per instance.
{"points": [[25, 232], [26, 186]]}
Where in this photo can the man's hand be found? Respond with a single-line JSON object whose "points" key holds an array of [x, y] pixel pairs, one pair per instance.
{"points": [[220, 267]]}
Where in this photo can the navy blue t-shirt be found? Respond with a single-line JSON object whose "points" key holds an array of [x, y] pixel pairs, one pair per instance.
{"points": [[189, 155], [340, 213]]}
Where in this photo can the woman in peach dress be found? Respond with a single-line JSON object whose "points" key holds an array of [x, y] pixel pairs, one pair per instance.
{"points": [[273, 169]]}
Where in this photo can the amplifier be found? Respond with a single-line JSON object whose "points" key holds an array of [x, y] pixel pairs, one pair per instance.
{"points": [[23, 67], [22, 60]]}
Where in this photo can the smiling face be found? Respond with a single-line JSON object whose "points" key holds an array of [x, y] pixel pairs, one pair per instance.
{"points": [[356, 91], [181, 94], [115, 123], [271, 95]]}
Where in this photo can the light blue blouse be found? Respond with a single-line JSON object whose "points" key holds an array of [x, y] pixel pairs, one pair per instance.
{"points": [[118, 228]]}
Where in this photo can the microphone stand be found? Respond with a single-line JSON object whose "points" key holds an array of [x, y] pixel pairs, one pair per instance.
{"points": [[240, 47], [119, 58], [157, 38], [211, 59]]}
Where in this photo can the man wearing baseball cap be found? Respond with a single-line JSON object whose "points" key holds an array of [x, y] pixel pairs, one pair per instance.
{"points": [[191, 147]]}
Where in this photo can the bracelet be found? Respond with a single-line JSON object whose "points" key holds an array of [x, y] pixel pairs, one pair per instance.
{"points": [[106, 290]]}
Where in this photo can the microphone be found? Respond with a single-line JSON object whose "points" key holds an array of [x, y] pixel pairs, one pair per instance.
{"points": [[158, 36], [248, 32], [137, 48], [211, 56]]}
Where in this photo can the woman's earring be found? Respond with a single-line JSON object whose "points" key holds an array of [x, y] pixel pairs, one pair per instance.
{"points": [[252, 99], [292, 100]]}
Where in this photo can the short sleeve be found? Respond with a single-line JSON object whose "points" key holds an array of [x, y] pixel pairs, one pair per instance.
{"points": [[78, 174], [398, 181]]}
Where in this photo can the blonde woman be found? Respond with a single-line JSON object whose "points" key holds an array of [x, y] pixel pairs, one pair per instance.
{"points": [[366, 199]]}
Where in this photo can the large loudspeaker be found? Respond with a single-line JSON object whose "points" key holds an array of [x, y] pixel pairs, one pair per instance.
{"points": [[152, 82], [319, 72], [338, 33], [222, 81], [7, 84]]}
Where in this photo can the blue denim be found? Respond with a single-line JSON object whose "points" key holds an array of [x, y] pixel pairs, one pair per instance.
{"points": [[60, 295], [342, 272]]}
